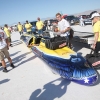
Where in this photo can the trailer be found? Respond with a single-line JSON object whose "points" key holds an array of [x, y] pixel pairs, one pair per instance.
{"points": [[84, 37]]}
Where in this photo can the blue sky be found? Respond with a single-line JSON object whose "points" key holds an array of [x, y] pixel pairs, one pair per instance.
{"points": [[12, 11]]}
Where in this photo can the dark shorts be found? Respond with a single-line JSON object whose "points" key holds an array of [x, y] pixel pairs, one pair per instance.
{"points": [[9, 39]]}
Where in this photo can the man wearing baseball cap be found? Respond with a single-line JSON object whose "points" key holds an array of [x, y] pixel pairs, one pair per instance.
{"points": [[95, 17]]}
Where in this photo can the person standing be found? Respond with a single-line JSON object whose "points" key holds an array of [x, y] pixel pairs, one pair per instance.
{"points": [[8, 33], [48, 25], [64, 27], [20, 28], [4, 47], [39, 26], [81, 21], [28, 27], [95, 17]]}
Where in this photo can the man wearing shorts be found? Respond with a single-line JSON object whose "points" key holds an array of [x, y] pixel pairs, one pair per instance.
{"points": [[8, 33], [95, 17], [4, 46]]}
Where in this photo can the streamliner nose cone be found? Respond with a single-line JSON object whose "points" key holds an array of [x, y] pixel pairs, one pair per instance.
{"points": [[87, 81]]}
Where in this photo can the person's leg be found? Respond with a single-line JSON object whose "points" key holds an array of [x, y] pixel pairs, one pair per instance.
{"points": [[83, 23], [20, 32], [70, 43], [67, 39], [28, 32], [41, 32], [3, 64], [51, 27], [6, 53], [97, 48], [47, 27], [80, 23], [9, 40]]}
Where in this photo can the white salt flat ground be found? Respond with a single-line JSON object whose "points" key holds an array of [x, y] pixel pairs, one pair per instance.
{"points": [[32, 80]]}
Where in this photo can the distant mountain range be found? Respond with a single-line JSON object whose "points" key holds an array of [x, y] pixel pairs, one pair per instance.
{"points": [[77, 14], [87, 12]]}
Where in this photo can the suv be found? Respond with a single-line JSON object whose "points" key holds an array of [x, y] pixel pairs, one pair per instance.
{"points": [[33, 26], [87, 20], [51, 21], [72, 19]]}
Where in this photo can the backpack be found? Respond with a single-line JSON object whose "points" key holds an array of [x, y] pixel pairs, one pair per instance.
{"points": [[56, 42], [93, 59]]}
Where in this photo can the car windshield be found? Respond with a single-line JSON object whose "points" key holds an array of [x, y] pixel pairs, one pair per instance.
{"points": [[84, 16], [70, 17], [88, 16], [33, 23]]}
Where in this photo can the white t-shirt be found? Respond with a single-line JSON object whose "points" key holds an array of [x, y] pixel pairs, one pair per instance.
{"points": [[81, 19], [48, 22], [62, 25], [3, 36]]}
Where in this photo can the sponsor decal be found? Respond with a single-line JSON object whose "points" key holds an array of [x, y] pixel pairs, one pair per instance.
{"points": [[96, 63], [66, 53], [62, 45]]}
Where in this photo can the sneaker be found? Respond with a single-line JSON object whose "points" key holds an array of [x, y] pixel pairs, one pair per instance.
{"points": [[11, 45], [5, 70], [12, 65]]}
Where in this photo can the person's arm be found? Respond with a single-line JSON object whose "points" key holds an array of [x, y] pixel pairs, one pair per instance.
{"points": [[96, 32], [30, 26], [96, 39], [36, 26], [42, 24], [67, 29]]}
